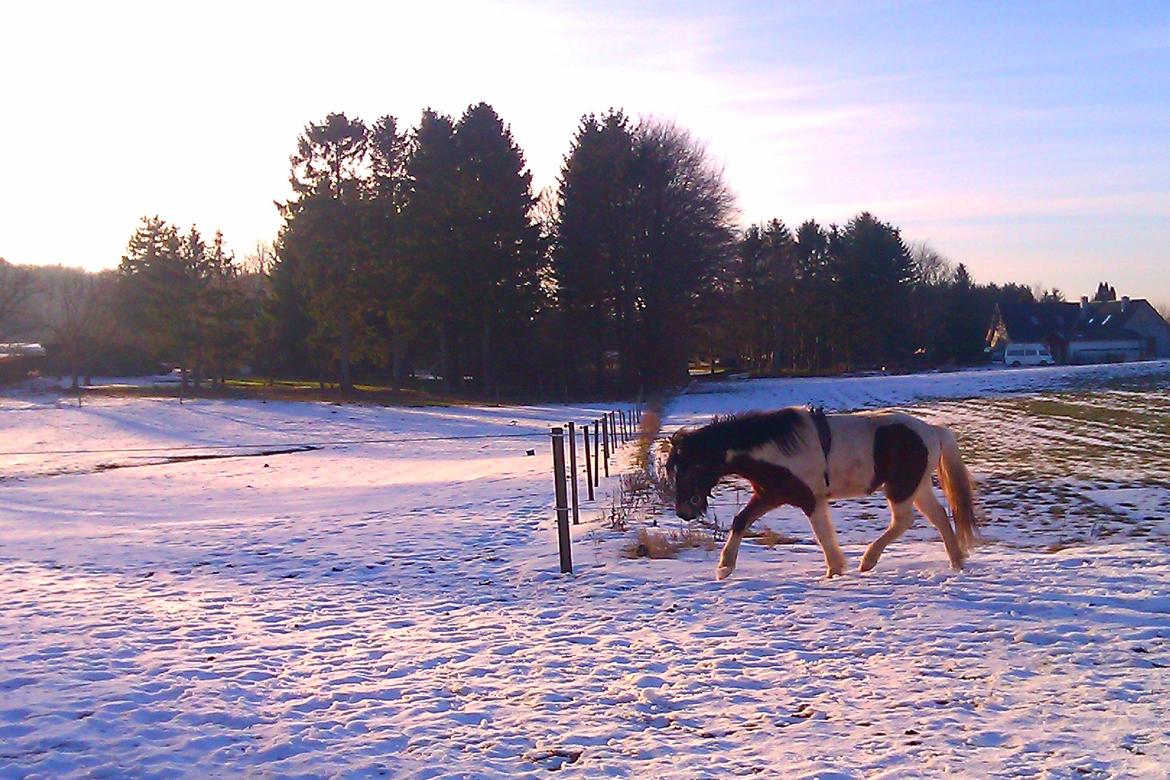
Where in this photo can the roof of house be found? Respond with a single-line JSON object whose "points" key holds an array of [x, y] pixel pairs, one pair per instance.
{"points": [[1038, 321], [1098, 321], [20, 350]]}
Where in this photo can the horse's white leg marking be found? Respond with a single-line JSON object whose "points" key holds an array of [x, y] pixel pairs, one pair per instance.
{"points": [[901, 518], [727, 557], [822, 526], [928, 505], [749, 514]]}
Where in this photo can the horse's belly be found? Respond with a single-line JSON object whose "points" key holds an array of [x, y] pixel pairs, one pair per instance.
{"points": [[851, 477], [849, 489]]}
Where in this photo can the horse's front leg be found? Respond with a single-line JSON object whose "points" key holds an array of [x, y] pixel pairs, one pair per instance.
{"points": [[822, 527], [755, 509]]}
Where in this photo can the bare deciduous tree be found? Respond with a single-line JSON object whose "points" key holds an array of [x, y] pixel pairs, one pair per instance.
{"points": [[16, 287], [930, 267], [75, 312]]}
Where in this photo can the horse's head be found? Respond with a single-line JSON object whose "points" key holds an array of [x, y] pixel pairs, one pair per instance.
{"points": [[695, 470]]}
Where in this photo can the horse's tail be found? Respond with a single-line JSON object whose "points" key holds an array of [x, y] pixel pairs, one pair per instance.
{"points": [[959, 490]]}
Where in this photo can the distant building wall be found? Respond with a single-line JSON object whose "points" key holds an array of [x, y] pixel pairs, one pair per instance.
{"points": [[1120, 351], [1148, 323]]}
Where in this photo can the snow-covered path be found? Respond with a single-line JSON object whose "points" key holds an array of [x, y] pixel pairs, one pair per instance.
{"points": [[395, 610]]}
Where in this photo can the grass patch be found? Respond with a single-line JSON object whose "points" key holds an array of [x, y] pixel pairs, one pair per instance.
{"points": [[769, 538], [236, 389], [658, 544], [1091, 409]]}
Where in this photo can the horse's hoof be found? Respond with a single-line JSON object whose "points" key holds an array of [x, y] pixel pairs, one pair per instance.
{"points": [[866, 565], [835, 572], [723, 572]]}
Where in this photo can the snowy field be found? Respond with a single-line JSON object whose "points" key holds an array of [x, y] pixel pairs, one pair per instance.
{"points": [[395, 609]]}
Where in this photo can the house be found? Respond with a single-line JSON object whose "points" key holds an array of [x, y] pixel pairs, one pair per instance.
{"points": [[17, 360], [1088, 332]]}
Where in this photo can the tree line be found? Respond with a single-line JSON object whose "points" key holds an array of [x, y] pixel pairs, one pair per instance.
{"points": [[423, 258]]}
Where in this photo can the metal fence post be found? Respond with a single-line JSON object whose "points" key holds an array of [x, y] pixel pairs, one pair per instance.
{"points": [[605, 442], [564, 541], [597, 453], [573, 471], [588, 464]]}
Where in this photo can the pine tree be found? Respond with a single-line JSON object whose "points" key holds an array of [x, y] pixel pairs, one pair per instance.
{"points": [[324, 236], [224, 310], [160, 290], [390, 273], [872, 272], [593, 245], [499, 242], [815, 296], [432, 238]]}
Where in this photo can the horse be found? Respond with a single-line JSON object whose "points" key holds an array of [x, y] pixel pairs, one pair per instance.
{"points": [[805, 458]]}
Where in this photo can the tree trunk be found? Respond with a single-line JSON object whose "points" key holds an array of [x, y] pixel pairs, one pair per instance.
{"points": [[486, 354], [343, 358], [444, 358], [396, 355]]}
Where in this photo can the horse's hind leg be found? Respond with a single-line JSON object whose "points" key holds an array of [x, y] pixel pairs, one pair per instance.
{"points": [[901, 518], [928, 505], [827, 537]]}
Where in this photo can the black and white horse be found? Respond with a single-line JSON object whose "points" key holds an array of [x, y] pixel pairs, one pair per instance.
{"points": [[806, 458]]}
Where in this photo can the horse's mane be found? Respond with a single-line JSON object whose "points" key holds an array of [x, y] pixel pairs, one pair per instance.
{"points": [[747, 430]]}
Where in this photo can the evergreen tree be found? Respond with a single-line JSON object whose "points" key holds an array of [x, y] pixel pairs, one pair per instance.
{"points": [[324, 237], [387, 191], [224, 311], [160, 290], [872, 272], [1105, 292], [818, 306], [593, 245], [432, 238], [499, 242]]}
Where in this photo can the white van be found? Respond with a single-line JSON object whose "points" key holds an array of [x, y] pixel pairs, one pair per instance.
{"points": [[1027, 355]]}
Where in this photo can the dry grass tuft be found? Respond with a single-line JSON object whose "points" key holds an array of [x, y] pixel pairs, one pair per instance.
{"points": [[657, 544], [770, 538], [648, 428]]}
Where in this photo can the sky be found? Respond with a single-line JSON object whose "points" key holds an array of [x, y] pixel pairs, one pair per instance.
{"points": [[1030, 141]]}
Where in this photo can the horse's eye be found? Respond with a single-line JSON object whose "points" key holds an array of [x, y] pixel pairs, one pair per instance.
{"points": [[696, 500]]}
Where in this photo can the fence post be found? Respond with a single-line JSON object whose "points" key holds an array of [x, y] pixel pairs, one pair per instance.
{"points": [[588, 464], [563, 539], [621, 425], [596, 453], [605, 441], [573, 471], [613, 429]]}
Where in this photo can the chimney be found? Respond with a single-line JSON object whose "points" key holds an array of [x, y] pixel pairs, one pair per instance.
{"points": [[1124, 302], [1084, 303]]}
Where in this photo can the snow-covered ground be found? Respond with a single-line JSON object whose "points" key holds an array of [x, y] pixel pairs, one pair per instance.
{"points": [[395, 608]]}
